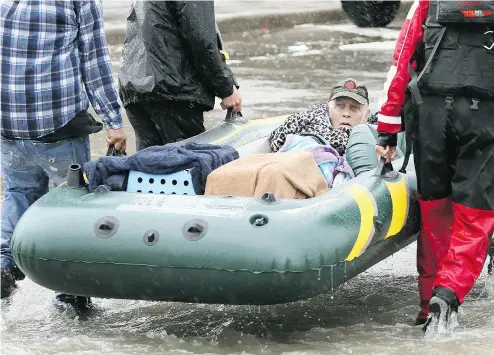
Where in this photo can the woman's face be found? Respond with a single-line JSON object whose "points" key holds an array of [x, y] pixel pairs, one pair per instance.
{"points": [[347, 112]]}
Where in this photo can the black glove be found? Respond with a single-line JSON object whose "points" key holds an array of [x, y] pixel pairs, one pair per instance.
{"points": [[372, 119], [385, 139]]}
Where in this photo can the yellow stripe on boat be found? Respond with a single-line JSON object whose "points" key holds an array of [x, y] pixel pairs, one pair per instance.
{"points": [[368, 209], [399, 200]]}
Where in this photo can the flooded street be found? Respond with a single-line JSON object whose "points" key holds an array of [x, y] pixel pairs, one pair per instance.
{"points": [[279, 72]]}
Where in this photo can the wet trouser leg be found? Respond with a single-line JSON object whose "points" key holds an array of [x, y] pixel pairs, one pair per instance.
{"points": [[159, 123], [145, 130], [454, 159], [473, 196], [27, 167], [434, 170]]}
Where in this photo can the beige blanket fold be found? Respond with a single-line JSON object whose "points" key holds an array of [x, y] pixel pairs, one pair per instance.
{"points": [[292, 175]]}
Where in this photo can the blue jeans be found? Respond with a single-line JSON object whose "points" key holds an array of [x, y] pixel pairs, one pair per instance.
{"points": [[27, 167]]}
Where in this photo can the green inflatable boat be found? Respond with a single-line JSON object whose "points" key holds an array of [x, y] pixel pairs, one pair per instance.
{"points": [[215, 249]]}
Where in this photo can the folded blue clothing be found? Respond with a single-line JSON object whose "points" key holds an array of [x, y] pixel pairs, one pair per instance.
{"points": [[163, 159]]}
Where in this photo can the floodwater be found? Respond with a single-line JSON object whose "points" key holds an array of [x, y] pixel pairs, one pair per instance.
{"points": [[371, 314]]}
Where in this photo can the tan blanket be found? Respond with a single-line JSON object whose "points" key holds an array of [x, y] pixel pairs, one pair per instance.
{"points": [[287, 175]]}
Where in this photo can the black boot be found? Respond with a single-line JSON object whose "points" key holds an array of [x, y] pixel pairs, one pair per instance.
{"points": [[442, 306], [18, 274], [420, 321], [8, 284], [80, 304]]}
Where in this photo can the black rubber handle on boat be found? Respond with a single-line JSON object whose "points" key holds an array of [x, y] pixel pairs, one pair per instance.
{"points": [[231, 115], [383, 168], [111, 152]]}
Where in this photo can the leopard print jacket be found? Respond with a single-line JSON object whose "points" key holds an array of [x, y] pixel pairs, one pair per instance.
{"points": [[315, 120]]}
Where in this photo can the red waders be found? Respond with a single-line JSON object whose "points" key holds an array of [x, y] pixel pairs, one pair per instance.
{"points": [[454, 159]]}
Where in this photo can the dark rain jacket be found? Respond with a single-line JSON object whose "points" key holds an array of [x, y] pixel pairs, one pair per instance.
{"points": [[172, 52]]}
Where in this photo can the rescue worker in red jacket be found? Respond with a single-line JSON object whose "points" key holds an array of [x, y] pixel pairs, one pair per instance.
{"points": [[442, 82]]}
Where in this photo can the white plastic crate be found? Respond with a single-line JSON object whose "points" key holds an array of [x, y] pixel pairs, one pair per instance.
{"points": [[179, 183]]}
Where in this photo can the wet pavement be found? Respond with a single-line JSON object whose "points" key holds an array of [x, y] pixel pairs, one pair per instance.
{"points": [[116, 11], [279, 72]]}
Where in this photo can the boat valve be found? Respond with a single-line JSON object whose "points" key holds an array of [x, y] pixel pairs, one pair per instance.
{"points": [[75, 178], [259, 220], [106, 226], [269, 198], [151, 237], [195, 229]]}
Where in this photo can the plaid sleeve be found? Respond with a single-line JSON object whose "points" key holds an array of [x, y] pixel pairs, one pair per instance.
{"points": [[96, 66]]}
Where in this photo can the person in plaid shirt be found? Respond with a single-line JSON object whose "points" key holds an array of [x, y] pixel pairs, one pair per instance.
{"points": [[54, 61]]}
